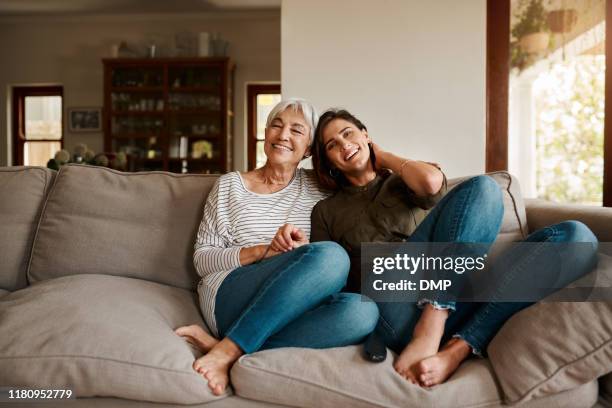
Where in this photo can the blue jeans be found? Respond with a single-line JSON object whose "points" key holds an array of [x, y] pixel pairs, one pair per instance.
{"points": [[294, 300], [472, 212]]}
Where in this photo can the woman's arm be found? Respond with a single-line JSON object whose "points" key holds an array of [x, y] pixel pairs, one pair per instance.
{"points": [[289, 236], [213, 250], [422, 178], [249, 255]]}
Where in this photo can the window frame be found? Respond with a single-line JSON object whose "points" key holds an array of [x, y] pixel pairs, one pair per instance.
{"points": [[253, 90], [497, 94], [18, 112]]}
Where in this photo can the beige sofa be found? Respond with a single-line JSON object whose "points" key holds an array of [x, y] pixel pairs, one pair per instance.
{"points": [[97, 271]]}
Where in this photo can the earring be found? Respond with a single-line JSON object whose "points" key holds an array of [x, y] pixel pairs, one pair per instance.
{"points": [[334, 172]]}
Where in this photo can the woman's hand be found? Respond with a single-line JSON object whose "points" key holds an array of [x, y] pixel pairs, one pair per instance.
{"points": [[288, 237], [424, 178]]}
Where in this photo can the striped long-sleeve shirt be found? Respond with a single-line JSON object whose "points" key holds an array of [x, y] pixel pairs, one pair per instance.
{"points": [[235, 217]]}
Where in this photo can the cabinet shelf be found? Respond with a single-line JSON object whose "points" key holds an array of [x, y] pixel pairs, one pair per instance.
{"points": [[117, 89], [206, 83], [194, 111], [202, 137], [195, 89], [135, 135], [137, 113]]}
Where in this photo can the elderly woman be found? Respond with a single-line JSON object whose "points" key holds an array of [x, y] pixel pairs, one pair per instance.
{"points": [[253, 294]]}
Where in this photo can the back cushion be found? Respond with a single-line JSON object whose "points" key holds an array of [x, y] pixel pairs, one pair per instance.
{"points": [[138, 225], [22, 195], [514, 224]]}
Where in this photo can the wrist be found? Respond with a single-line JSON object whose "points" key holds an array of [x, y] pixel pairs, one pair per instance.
{"points": [[262, 252]]}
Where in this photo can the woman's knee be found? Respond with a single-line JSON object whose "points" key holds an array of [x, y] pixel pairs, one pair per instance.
{"points": [[329, 261], [331, 255], [359, 314], [487, 187], [485, 190], [574, 231]]}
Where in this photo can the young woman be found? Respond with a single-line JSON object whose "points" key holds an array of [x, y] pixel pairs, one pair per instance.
{"points": [[252, 295], [381, 197]]}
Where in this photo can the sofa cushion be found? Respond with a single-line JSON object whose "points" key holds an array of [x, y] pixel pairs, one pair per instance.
{"points": [[341, 377], [103, 221], [555, 346], [514, 224], [541, 213], [23, 191], [103, 336]]}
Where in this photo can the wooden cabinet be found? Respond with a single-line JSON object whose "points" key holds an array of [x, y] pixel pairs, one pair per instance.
{"points": [[172, 114]]}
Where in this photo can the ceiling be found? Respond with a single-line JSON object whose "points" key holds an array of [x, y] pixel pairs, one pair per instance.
{"points": [[82, 7]]}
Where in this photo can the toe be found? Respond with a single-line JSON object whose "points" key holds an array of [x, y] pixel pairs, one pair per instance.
{"points": [[409, 376], [424, 367]]}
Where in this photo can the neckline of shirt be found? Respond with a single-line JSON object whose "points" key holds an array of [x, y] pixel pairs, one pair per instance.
{"points": [[359, 189], [244, 187]]}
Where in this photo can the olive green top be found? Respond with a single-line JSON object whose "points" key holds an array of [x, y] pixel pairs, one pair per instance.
{"points": [[384, 210]]}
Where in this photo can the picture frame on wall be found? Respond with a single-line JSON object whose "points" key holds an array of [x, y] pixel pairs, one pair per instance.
{"points": [[85, 119]]}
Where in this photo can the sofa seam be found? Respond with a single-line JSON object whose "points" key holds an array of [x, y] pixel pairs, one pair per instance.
{"points": [[43, 214], [518, 217], [360, 399], [142, 173], [16, 169], [526, 395], [71, 356]]}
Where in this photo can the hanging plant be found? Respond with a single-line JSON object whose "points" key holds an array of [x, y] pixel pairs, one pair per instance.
{"points": [[532, 30]]}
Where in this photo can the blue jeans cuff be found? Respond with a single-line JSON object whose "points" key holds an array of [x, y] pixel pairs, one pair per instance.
{"points": [[450, 306], [475, 349]]}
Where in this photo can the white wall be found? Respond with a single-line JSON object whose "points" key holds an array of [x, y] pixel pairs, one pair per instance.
{"points": [[68, 51], [412, 70]]}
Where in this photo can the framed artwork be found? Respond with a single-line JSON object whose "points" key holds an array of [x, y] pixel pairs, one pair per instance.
{"points": [[85, 119]]}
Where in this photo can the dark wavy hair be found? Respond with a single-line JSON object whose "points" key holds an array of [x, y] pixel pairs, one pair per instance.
{"points": [[323, 169]]}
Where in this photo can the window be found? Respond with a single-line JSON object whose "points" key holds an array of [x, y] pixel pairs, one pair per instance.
{"points": [[37, 124], [261, 99], [546, 77]]}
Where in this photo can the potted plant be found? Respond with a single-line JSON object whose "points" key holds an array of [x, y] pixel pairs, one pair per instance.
{"points": [[531, 30]]}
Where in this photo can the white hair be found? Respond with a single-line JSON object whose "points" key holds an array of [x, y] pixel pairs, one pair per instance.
{"points": [[298, 105]]}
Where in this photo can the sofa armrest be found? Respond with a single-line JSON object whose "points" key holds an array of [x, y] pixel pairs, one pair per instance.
{"points": [[541, 213]]}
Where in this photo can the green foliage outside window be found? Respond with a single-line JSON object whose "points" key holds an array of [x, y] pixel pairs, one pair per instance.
{"points": [[569, 131]]}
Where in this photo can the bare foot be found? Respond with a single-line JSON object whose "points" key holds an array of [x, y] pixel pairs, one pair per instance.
{"points": [[215, 365], [425, 342], [436, 369], [196, 335], [418, 349]]}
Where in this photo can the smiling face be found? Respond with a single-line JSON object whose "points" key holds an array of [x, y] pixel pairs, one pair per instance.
{"points": [[346, 146], [287, 138]]}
